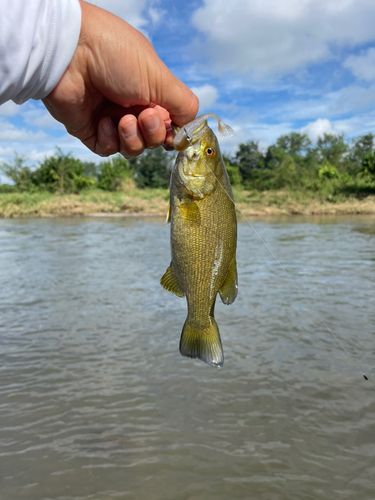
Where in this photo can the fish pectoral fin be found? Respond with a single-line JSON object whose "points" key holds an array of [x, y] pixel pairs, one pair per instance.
{"points": [[189, 212], [228, 292], [168, 219], [170, 282], [204, 344]]}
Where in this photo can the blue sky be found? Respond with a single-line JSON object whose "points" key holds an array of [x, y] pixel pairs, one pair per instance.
{"points": [[266, 67]]}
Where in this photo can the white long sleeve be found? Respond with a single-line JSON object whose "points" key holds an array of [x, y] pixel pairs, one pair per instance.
{"points": [[38, 39]]}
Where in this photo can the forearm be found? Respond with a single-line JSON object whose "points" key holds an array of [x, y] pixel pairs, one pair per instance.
{"points": [[38, 39]]}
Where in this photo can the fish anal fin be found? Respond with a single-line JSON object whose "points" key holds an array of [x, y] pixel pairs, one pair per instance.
{"points": [[203, 343], [228, 291], [170, 282]]}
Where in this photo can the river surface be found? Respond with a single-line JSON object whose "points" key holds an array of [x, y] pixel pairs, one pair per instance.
{"points": [[97, 403]]}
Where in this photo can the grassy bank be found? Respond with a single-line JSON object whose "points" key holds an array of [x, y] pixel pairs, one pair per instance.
{"points": [[155, 202]]}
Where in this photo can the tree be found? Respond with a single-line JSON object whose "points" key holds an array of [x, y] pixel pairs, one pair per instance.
{"points": [[113, 172], [274, 157], [91, 169], [61, 173], [361, 147], [233, 171], [18, 172], [368, 165], [153, 168], [332, 149], [294, 143], [328, 172], [248, 158]]}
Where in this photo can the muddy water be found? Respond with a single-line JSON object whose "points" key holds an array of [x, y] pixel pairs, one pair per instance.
{"points": [[97, 403]]}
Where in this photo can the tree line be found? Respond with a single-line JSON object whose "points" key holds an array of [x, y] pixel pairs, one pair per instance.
{"points": [[62, 173], [333, 164], [330, 166]]}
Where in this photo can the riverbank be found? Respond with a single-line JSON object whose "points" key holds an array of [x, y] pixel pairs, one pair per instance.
{"points": [[155, 202]]}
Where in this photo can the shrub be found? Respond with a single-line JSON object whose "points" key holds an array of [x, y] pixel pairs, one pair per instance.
{"points": [[8, 188], [368, 165], [234, 175], [113, 172], [61, 173], [153, 168], [18, 172], [327, 171]]}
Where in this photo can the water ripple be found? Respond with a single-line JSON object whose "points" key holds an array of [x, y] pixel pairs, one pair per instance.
{"points": [[96, 402]]}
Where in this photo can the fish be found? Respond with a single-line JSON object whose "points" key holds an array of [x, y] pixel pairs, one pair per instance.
{"points": [[203, 237]]}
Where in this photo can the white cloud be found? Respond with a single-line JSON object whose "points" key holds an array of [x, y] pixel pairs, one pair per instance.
{"points": [[38, 116], [156, 15], [348, 100], [266, 134], [270, 38], [35, 156], [248, 129], [356, 125], [318, 128], [9, 108], [207, 95], [10, 133], [363, 65], [5, 152], [132, 11]]}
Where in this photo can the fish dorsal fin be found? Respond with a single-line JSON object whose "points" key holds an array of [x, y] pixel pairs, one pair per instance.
{"points": [[170, 282], [228, 292], [168, 219]]}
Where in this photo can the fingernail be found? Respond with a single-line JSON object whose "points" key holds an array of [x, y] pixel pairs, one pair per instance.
{"points": [[108, 126], [130, 130], [151, 123]]}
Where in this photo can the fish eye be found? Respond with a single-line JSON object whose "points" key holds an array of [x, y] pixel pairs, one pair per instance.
{"points": [[210, 151]]}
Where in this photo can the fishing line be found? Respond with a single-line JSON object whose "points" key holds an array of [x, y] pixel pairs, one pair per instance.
{"points": [[293, 280]]}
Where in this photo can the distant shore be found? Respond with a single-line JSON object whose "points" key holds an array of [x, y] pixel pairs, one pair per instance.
{"points": [[154, 202]]}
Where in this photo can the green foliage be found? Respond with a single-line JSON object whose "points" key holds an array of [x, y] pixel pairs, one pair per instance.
{"points": [[113, 172], [274, 157], [18, 172], [234, 174], [368, 165], [361, 147], [327, 171], [294, 143], [248, 159], [333, 149], [153, 168], [61, 173], [8, 188], [91, 169], [332, 168], [286, 175]]}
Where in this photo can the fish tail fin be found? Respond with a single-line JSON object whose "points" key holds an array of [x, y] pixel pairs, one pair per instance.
{"points": [[203, 343]]}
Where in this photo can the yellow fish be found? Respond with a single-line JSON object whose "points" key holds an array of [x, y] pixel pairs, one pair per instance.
{"points": [[203, 237]]}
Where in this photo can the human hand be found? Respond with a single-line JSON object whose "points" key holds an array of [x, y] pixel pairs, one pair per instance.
{"points": [[117, 95]]}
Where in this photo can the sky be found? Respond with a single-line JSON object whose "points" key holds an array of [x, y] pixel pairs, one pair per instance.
{"points": [[266, 67]]}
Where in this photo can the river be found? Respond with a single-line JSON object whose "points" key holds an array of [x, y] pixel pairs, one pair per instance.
{"points": [[97, 403]]}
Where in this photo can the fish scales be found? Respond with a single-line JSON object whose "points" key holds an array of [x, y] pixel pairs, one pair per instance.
{"points": [[203, 241]]}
